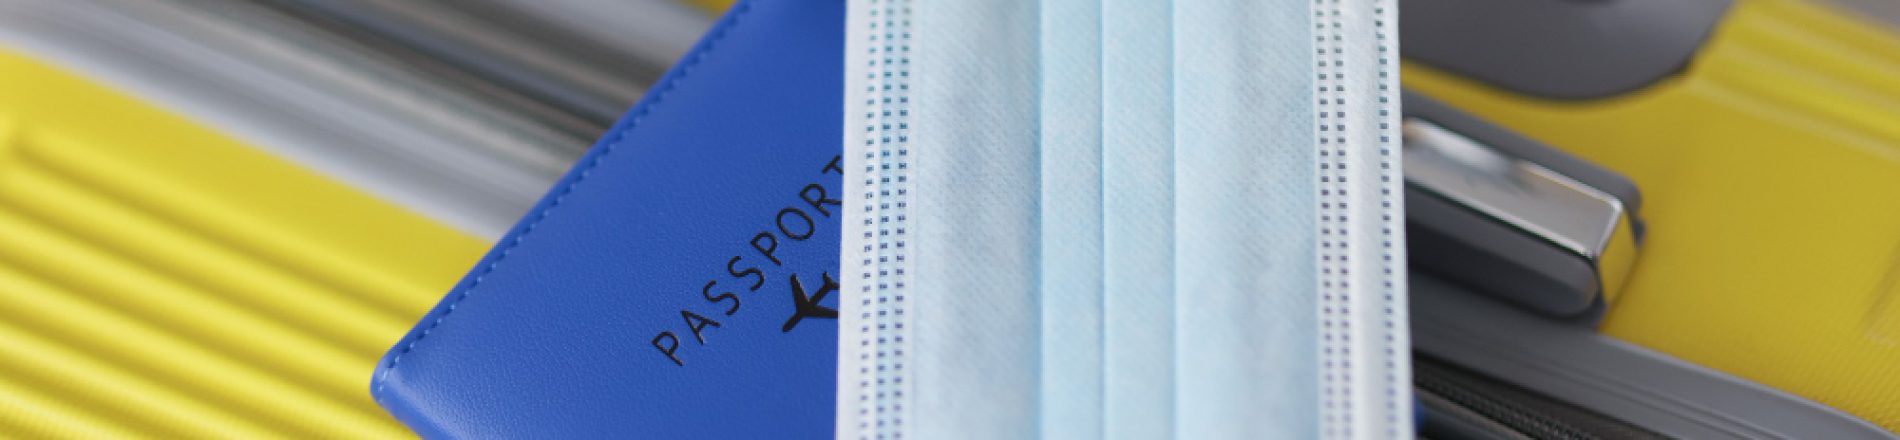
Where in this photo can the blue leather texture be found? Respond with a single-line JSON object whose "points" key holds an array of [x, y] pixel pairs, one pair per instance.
{"points": [[651, 293]]}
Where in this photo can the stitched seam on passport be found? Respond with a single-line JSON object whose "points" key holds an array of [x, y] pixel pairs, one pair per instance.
{"points": [[620, 136]]}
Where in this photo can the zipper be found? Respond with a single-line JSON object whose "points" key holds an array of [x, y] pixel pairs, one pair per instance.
{"points": [[1524, 414]]}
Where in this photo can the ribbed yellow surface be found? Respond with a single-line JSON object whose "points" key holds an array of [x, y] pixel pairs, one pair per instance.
{"points": [[1771, 177], [160, 279]]}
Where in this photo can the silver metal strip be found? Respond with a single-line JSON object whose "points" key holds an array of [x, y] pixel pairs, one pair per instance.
{"points": [[403, 132]]}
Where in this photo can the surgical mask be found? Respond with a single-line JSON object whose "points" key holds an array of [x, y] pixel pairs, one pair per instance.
{"points": [[1122, 219]]}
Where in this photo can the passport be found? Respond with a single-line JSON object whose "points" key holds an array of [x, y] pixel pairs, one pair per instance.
{"points": [[679, 281]]}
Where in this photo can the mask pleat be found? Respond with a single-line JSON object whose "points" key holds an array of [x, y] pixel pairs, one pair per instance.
{"points": [[1138, 219], [1071, 219], [1246, 186], [1122, 219]]}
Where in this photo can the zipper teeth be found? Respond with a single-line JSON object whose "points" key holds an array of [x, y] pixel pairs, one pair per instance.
{"points": [[1526, 422]]}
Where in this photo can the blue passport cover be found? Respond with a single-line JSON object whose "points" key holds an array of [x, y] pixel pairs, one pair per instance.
{"points": [[678, 282]]}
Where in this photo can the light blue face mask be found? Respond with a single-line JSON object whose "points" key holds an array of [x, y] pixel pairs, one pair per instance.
{"points": [[1122, 218]]}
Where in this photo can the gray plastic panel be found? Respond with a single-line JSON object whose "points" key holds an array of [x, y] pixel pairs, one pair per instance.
{"points": [[1884, 11], [1621, 380], [1559, 49]]}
